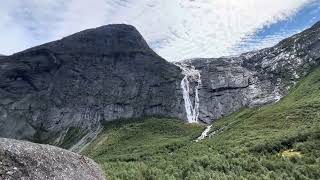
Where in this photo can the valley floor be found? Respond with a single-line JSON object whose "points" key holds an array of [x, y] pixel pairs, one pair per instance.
{"points": [[279, 141]]}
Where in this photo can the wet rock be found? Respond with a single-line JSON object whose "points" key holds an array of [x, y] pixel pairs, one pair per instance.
{"points": [[255, 78]]}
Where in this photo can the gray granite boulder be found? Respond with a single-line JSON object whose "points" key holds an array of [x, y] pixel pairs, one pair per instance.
{"points": [[29, 161]]}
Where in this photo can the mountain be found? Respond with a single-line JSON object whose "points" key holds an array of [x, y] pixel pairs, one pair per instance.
{"points": [[64, 92], [74, 84], [25, 160], [255, 78], [277, 141]]}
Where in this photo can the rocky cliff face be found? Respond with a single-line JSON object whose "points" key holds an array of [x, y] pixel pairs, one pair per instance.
{"points": [[29, 161], [61, 92], [73, 85], [255, 78]]}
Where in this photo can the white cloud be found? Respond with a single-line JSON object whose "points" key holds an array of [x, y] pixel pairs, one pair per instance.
{"points": [[176, 29], [11, 35], [26, 23], [202, 28]]}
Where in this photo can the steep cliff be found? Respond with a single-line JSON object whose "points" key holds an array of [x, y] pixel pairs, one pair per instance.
{"points": [[50, 92], [62, 92], [255, 78]]}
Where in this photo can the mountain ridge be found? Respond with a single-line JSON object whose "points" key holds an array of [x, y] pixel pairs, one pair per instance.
{"points": [[53, 88], [256, 78], [100, 40], [75, 84]]}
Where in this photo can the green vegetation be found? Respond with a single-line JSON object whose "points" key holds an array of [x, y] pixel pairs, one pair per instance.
{"points": [[279, 141], [64, 140], [73, 135]]}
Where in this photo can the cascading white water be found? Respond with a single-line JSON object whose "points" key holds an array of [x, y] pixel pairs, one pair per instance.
{"points": [[193, 75], [204, 133], [192, 110], [87, 139]]}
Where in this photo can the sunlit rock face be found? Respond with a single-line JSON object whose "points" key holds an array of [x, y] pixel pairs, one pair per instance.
{"points": [[255, 78]]}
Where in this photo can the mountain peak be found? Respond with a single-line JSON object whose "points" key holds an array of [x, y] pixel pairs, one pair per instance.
{"points": [[102, 40]]}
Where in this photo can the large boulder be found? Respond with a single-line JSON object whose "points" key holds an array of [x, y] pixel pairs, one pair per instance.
{"points": [[29, 161]]}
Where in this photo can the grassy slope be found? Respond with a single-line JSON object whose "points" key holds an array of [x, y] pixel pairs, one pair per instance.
{"points": [[279, 141]]}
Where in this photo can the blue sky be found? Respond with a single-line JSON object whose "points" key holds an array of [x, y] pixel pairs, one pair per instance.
{"points": [[270, 35], [175, 29]]}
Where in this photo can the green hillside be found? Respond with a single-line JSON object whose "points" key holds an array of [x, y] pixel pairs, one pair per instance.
{"points": [[279, 141]]}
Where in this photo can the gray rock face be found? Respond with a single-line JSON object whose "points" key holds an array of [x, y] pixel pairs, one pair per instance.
{"points": [[29, 161], [61, 92], [75, 84], [255, 78]]}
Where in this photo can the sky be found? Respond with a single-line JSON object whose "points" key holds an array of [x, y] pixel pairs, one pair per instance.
{"points": [[175, 29]]}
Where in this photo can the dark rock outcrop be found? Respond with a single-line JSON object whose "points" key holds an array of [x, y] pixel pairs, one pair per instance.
{"points": [[255, 78], [74, 84], [29, 161]]}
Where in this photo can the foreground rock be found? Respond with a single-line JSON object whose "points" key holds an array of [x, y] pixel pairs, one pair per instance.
{"points": [[29, 161]]}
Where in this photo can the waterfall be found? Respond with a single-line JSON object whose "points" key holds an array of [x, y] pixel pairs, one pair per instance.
{"points": [[87, 139], [204, 133], [191, 75]]}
